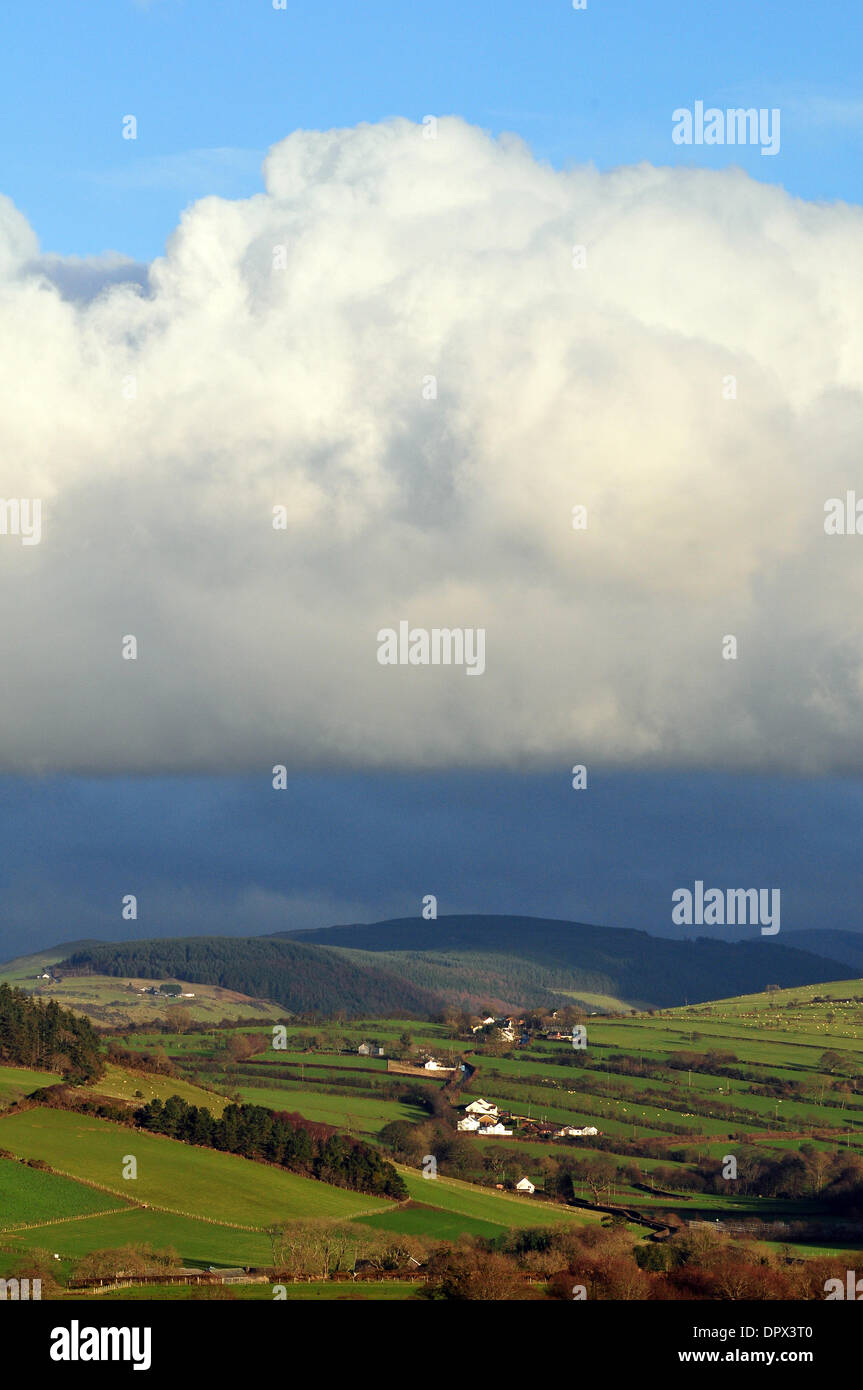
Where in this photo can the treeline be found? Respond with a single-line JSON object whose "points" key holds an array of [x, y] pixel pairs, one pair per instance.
{"points": [[807, 1173], [305, 979], [594, 1263], [600, 1263], [158, 1062], [258, 1133], [34, 1033]]}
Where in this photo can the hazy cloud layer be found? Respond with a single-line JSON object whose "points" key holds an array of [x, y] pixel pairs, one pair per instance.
{"points": [[407, 258]]}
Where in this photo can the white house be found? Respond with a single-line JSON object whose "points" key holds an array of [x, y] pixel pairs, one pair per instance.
{"points": [[481, 1107], [432, 1065], [525, 1186], [570, 1132], [485, 1124]]}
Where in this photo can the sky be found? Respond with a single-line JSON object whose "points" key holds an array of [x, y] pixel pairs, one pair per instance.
{"points": [[337, 272], [233, 856], [215, 83]]}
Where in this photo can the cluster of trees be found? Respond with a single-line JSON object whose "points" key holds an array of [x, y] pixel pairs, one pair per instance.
{"points": [[157, 1061], [595, 1263], [807, 1172], [303, 978], [122, 1261], [318, 1249], [601, 1263], [38, 1034], [275, 1137]]}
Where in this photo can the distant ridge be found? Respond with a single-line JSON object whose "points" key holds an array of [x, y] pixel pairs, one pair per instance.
{"points": [[844, 946], [407, 967], [527, 959]]}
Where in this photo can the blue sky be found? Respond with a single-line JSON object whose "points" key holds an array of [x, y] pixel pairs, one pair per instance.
{"points": [[214, 83]]}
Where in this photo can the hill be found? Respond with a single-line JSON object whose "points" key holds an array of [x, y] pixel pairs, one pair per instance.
{"points": [[109, 1002], [304, 979], [408, 967], [843, 946], [524, 961]]}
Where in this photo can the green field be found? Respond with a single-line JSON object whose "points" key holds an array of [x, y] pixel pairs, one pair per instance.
{"points": [[195, 1241], [657, 1112], [175, 1176], [31, 1196], [315, 1291], [120, 1084], [502, 1209], [16, 1082], [431, 1222], [354, 1114]]}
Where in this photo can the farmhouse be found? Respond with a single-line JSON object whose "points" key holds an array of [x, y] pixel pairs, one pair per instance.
{"points": [[484, 1118], [485, 1122], [525, 1185], [481, 1107], [370, 1050]]}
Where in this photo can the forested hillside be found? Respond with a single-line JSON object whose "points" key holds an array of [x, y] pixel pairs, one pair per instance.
{"points": [[305, 979], [37, 1034], [412, 967], [527, 958]]}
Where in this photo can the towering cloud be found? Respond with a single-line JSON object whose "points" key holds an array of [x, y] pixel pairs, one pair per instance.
{"points": [[401, 346]]}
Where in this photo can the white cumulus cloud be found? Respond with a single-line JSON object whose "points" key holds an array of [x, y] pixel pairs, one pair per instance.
{"points": [[278, 355]]}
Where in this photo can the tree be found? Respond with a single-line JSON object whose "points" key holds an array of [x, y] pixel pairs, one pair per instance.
{"points": [[466, 1273], [831, 1061]]}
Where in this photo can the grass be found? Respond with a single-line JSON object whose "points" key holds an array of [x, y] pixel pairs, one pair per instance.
{"points": [[16, 1082], [31, 1195], [106, 999], [779, 1037], [181, 1178], [315, 1291], [484, 1204], [432, 1222], [195, 1241], [118, 1083], [353, 1114]]}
